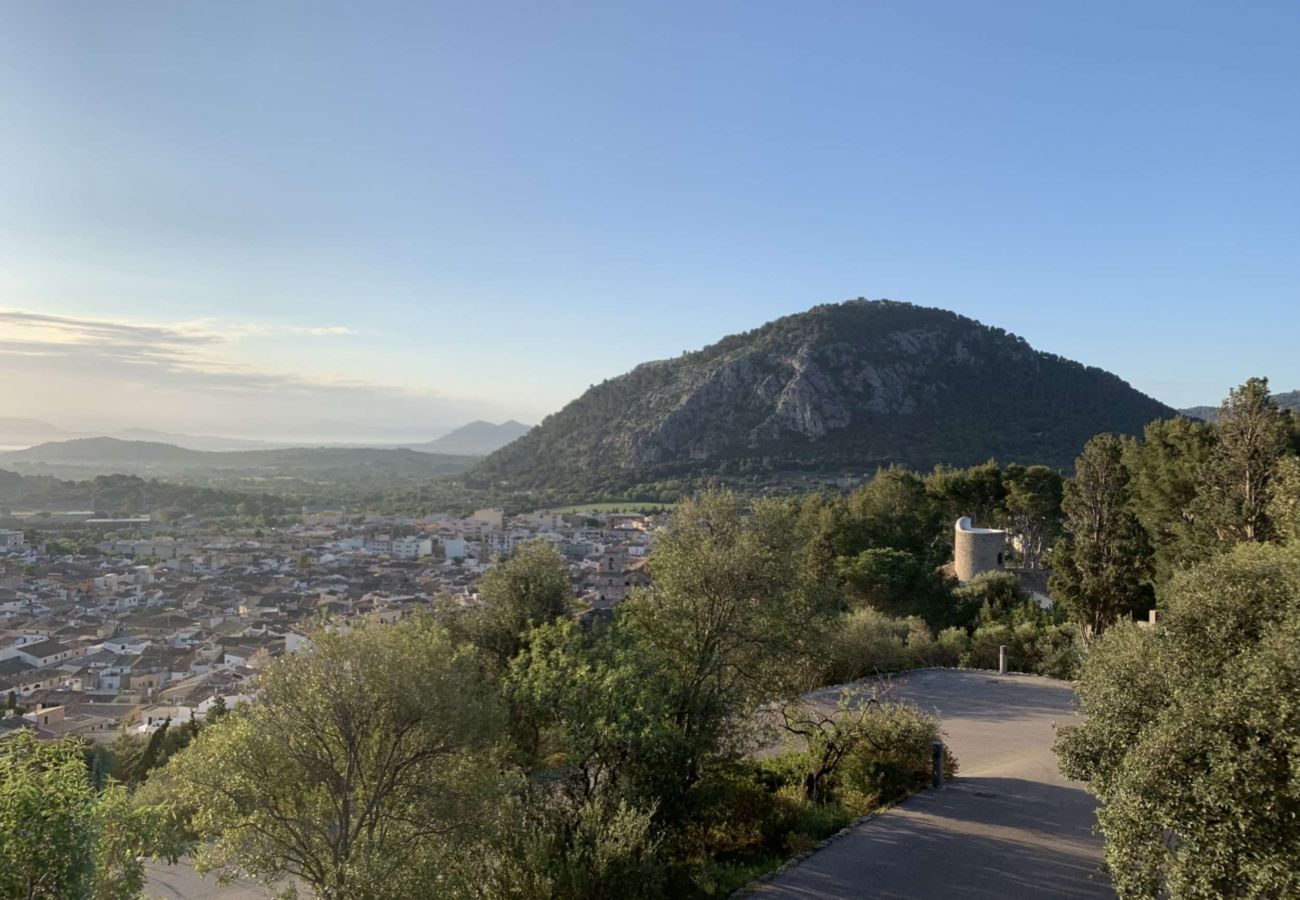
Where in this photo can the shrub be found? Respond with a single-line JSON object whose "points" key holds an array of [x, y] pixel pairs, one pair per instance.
{"points": [[984, 644], [867, 642], [895, 759], [945, 650]]}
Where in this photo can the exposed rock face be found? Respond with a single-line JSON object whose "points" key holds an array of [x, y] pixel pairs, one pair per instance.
{"points": [[848, 385]]}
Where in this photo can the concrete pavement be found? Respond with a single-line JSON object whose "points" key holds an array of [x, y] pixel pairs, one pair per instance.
{"points": [[1010, 826]]}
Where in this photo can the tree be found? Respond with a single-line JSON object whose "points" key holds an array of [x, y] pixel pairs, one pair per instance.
{"points": [[1102, 565], [1284, 505], [724, 627], [1168, 468], [1191, 734], [897, 584], [218, 709], [1033, 509], [151, 756], [995, 597], [531, 588], [894, 511], [1252, 435], [60, 837], [829, 737], [590, 800], [358, 765], [977, 491]]}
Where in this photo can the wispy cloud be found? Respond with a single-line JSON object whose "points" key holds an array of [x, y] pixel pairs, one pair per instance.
{"points": [[193, 355]]}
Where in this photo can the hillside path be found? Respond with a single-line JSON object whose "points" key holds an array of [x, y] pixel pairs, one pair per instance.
{"points": [[1009, 826]]}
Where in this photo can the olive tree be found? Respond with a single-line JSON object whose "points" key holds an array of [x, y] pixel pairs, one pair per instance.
{"points": [[361, 768], [60, 836]]}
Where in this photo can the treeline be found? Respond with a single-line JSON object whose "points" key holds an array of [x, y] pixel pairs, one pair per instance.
{"points": [[1192, 732], [128, 495]]}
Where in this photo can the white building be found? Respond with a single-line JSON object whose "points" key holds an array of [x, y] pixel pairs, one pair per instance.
{"points": [[10, 540], [411, 548]]}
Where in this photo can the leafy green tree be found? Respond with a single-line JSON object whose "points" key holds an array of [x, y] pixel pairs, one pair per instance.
{"points": [[977, 491], [60, 838], [723, 628], [893, 510], [1032, 509], [1191, 734], [1252, 435], [595, 771], [360, 770], [217, 709], [1284, 505], [994, 596], [1102, 564], [531, 588], [898, 584], [1168, 468]]}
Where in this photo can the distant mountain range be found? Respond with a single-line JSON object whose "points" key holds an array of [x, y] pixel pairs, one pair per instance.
{"points": [[1289, 400], [840, 388], [478, 438], [84, 457]]}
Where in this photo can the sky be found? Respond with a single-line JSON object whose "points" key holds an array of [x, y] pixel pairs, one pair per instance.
{"points": [[258, 217]]}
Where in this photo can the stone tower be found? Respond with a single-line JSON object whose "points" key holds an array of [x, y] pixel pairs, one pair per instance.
{"points": [[977, 550]]}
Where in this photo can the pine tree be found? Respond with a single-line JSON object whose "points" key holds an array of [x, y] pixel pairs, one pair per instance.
{"points": [[1102, 565], [1168, 469], [1253, 434]]}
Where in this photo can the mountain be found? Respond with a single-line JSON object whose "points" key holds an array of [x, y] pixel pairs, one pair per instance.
{"points": [[17, 432], [191, 441], [1290, 400], [105, 450], [842, 388], [475, 439], [104, 455]]}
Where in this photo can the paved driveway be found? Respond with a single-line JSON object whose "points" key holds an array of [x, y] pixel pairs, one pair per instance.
{"points": [[1010, 826], [181, 882]]}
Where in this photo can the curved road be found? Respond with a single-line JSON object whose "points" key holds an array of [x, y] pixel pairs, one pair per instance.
{"points": [[1009, 826]]}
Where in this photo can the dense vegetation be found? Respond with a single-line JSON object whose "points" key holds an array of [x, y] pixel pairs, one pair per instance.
{"points": [[839, 389], [1192, 731], [127, 495]]}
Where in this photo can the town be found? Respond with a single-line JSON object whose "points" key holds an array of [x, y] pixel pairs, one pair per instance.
{"points": [[161, 621]]}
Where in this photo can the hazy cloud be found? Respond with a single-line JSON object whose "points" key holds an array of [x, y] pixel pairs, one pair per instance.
{"points": [[73, 367]]}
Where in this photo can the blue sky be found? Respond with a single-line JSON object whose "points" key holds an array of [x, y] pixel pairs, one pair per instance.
{"points": [[251, 216]]}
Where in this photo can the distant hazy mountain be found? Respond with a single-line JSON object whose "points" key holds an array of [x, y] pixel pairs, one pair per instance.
{"points": [[104, 449], [1289, 400], [191, 441], [475, 439], [16, 432], [329, 433], [842, 387], [103, 455]]}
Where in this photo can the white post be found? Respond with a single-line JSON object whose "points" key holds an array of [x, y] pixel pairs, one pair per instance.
{"points": [[1002, 659]]}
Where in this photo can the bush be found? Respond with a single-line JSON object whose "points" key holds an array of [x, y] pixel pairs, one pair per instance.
{"points": [[866, 642], [984, 644], [895, 759], [1036, 648], [946, 650], [992, 595]]}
